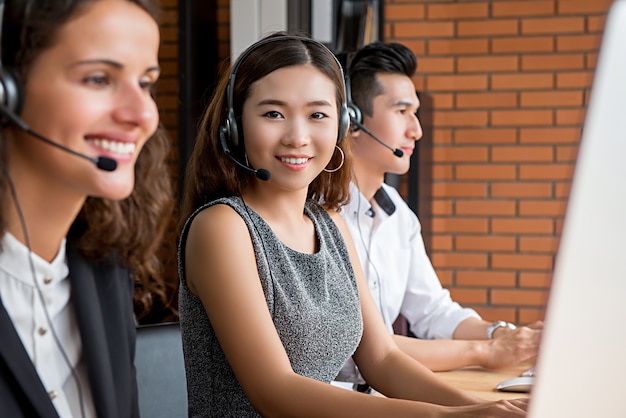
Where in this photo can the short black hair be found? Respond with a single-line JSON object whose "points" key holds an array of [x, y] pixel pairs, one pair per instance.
{"points": [[374, 58]]}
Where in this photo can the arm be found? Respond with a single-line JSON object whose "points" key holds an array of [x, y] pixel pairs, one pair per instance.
{"points": [[235, 303], [441, 355], [393, 373]]}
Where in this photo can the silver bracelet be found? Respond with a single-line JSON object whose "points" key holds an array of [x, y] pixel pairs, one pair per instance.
{"points": [[498, 324]]}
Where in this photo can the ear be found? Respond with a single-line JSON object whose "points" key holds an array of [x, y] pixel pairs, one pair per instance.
{"points": [[355, 134]]}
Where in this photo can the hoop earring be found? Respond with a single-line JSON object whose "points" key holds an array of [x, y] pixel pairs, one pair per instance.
{"points": [[343, 159]]}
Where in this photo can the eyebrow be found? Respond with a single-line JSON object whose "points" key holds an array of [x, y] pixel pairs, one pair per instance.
{"points": [[112, 63], [276, 102]]}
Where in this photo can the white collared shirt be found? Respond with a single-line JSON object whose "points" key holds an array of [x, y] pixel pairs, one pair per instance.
{"points": [[27, 311], [387, 236]]}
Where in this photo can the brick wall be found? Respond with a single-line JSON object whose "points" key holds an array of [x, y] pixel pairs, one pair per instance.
{"points": [[509, 82]]}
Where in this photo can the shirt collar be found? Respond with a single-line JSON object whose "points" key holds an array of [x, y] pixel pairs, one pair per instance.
{"points": [[15, 262], [381, 198]]}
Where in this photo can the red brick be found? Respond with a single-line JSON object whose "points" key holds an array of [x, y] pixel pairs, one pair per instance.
{"points": [[522, 8], [521, 117], [562, 190], [487, 242], [456, 189], [521, 226], [458, 46], [549, 135], [539, 244], [528, 316], [485, 278], [570, 116], [591, 60], [485, 100], [456, 82], [460, 154], [423, 29], [553, 62], [569, 43], [491, 313], [486, 172], [520, 190], [522, 153], [443, 100], [416, 45], [460, 260], [404, 12], [488, 27], [485, 207], [542, 208], [566, 153], [521, 81], [490, 63], [460, 119], [583, 6], [469, 295], [546, 171], [518, 297], [460, 225], [553, 25], [442, 136], [442, 172], [485, 136], [523, 44], [440, 243], [535, 279], [552, 98], [596, 23], [457, 11], [429, 65], [574, 79]]}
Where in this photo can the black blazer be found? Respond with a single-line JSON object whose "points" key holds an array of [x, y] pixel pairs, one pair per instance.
{"points": [[101, 295]]}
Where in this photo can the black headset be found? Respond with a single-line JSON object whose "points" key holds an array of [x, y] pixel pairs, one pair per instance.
{"points": [[356, 116], [230, 129], [10, 87]]}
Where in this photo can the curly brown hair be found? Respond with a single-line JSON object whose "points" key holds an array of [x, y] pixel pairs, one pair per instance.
{"points": [[134, 227]]}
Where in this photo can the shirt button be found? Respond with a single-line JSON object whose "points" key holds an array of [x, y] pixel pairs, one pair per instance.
{"points": [[52, 394], [42, 331], [47, 280]]}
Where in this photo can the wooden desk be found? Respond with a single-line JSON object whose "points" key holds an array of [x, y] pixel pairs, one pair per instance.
{"points": [[482, 382]]}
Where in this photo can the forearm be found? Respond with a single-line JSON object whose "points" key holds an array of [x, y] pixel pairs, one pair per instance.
{"points": [[442, 355], [399, 376], [471, 329], [303, 397]]}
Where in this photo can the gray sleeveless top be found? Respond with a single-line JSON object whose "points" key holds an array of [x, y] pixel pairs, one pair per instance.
{"points": [[313, 301]]}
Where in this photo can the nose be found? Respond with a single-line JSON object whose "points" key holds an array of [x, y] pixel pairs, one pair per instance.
{"points": [[136, 107], [298, 133], [414, 129]]}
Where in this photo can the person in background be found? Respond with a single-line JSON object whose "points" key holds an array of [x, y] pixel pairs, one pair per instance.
{"points": [[272, 297], [85, 197], [383, 106]]}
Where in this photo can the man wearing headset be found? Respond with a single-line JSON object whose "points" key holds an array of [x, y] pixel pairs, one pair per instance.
{"points": [[383, 105]]}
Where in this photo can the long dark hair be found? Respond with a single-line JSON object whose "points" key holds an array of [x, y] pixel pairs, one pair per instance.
{"points": [[134, 227], [210, 174]]}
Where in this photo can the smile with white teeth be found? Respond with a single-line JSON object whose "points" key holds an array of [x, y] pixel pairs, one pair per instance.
{"points": [[296, 161], [117, 147]]}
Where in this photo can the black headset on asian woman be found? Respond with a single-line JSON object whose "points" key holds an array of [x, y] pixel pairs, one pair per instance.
{"points": [[230, 137]]}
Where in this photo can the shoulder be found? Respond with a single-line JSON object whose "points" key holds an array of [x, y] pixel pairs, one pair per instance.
{"points": [[213, 222]]}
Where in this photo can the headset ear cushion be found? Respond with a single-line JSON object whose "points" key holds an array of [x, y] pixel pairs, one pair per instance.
{"points": [[11, 93], [355, 115], [233, 131], [344, 123]]}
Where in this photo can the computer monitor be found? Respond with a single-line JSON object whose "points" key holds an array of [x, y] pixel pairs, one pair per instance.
{"points": [[581, 369]]}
